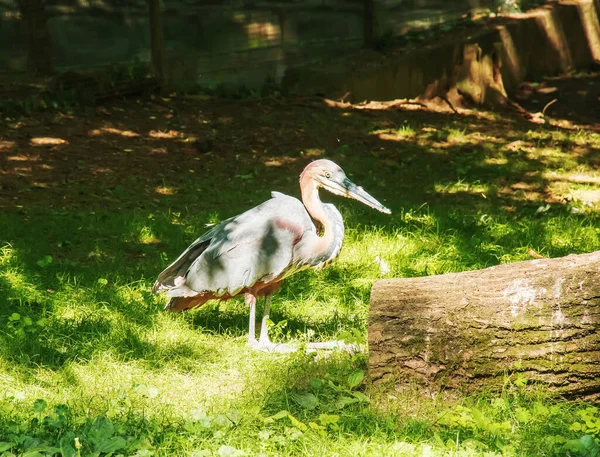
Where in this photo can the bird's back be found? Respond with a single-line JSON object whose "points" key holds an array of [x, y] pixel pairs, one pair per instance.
{"points": [[257, 245]]}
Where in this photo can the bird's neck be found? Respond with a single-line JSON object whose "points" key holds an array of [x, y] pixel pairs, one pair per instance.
{"points": [[312, 202], [329, 243]]}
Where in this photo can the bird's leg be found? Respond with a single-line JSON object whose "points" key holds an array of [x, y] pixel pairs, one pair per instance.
{"points": [[251, 302], [264, 331], [264, 343]]}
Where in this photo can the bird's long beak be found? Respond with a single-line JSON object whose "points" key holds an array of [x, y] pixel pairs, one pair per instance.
{"points": [[350, 190]]}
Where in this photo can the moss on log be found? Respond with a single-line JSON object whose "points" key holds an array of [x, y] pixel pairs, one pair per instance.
{"points": [[469, 330]]}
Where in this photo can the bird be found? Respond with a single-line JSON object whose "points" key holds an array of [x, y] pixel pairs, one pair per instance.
{"points": [[252, 253]]}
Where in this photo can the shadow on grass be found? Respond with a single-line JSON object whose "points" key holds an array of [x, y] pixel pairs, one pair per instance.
{"points": [[470, 186]]}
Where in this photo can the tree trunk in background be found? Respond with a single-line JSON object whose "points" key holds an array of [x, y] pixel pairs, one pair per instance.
{"points": [[39, 57], [539, 318], [156, 39], [369, 23]]}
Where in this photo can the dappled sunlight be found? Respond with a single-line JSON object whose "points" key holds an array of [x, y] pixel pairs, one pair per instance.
{"points": [[524, 191], [591, 27], [501, 161], [463, 187], [165, 190], [572, 177], [555, 35], [47, 141], [263, 31], [113, 131], [588, 197], [280, 161], [511, 55], [7, 145], [147, 236], [22, 158], [171, 134]]}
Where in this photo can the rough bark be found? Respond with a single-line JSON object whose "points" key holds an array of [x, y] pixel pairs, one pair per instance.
{"points": [[156, 40], [369, 23], [39, 49], [470, 330]]}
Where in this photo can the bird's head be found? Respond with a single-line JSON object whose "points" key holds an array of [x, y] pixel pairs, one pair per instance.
{"points": [[329, 176]]}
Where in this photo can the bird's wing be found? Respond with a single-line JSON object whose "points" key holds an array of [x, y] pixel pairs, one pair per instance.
{"points": [[169, 277], [255, 246]]}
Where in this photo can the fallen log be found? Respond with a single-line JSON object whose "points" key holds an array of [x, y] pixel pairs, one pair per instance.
{"points": [[537, 319]]}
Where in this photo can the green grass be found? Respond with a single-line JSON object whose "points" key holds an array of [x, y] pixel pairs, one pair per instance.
{"points": [[86, 351]]}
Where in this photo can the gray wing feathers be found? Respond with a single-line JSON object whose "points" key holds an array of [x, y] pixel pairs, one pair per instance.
{"points": [[240, 251], [178, 269]]}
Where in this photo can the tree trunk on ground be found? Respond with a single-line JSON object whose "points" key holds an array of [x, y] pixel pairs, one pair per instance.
{"points": [[539, 318], [156, 39], [39, 49]]}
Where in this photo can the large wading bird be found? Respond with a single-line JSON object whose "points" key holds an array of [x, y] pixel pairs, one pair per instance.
{"points": [[252, 253]]}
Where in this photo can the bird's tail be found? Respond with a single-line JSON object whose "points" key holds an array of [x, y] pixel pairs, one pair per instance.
{"points": [[179, 304], [167, 278]]}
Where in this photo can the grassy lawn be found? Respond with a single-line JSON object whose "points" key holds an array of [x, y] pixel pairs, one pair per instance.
{"points": [[96, 202]]}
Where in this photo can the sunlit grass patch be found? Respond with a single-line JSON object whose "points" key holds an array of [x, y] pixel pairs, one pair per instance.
{"points": [[406, 131], [462, 186]]}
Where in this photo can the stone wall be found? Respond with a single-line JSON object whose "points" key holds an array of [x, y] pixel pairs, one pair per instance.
{"points": [[551, 40]]}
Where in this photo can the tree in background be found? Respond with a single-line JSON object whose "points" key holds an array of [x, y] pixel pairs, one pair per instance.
{"points": [[38, 43]]}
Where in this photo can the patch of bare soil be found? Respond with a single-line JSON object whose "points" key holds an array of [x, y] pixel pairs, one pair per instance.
{"points": [[136, 152]]}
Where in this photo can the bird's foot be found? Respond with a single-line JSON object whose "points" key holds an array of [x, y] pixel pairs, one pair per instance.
{"points": [[328, 347], [268, 346], [283, 348], [333, 346]]}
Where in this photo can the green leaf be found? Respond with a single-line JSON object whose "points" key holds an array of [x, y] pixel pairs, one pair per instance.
{"points": [[44, 262], [66, 445], [316, 383], [275, 417], [110, 444], [522, 415], [521, 380], [345, 401], [246, 176], [590, 445], [355, 378], [35, 453], [306, 400], [326, 419], [102, 429], [296, 423], [5, 446], [39, 405], [539, 410], [102, 281], [361, 397], [585, 446], [14, 317]]}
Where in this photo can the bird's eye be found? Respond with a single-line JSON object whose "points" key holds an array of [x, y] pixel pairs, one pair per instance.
{"points": [[327, 175]]}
